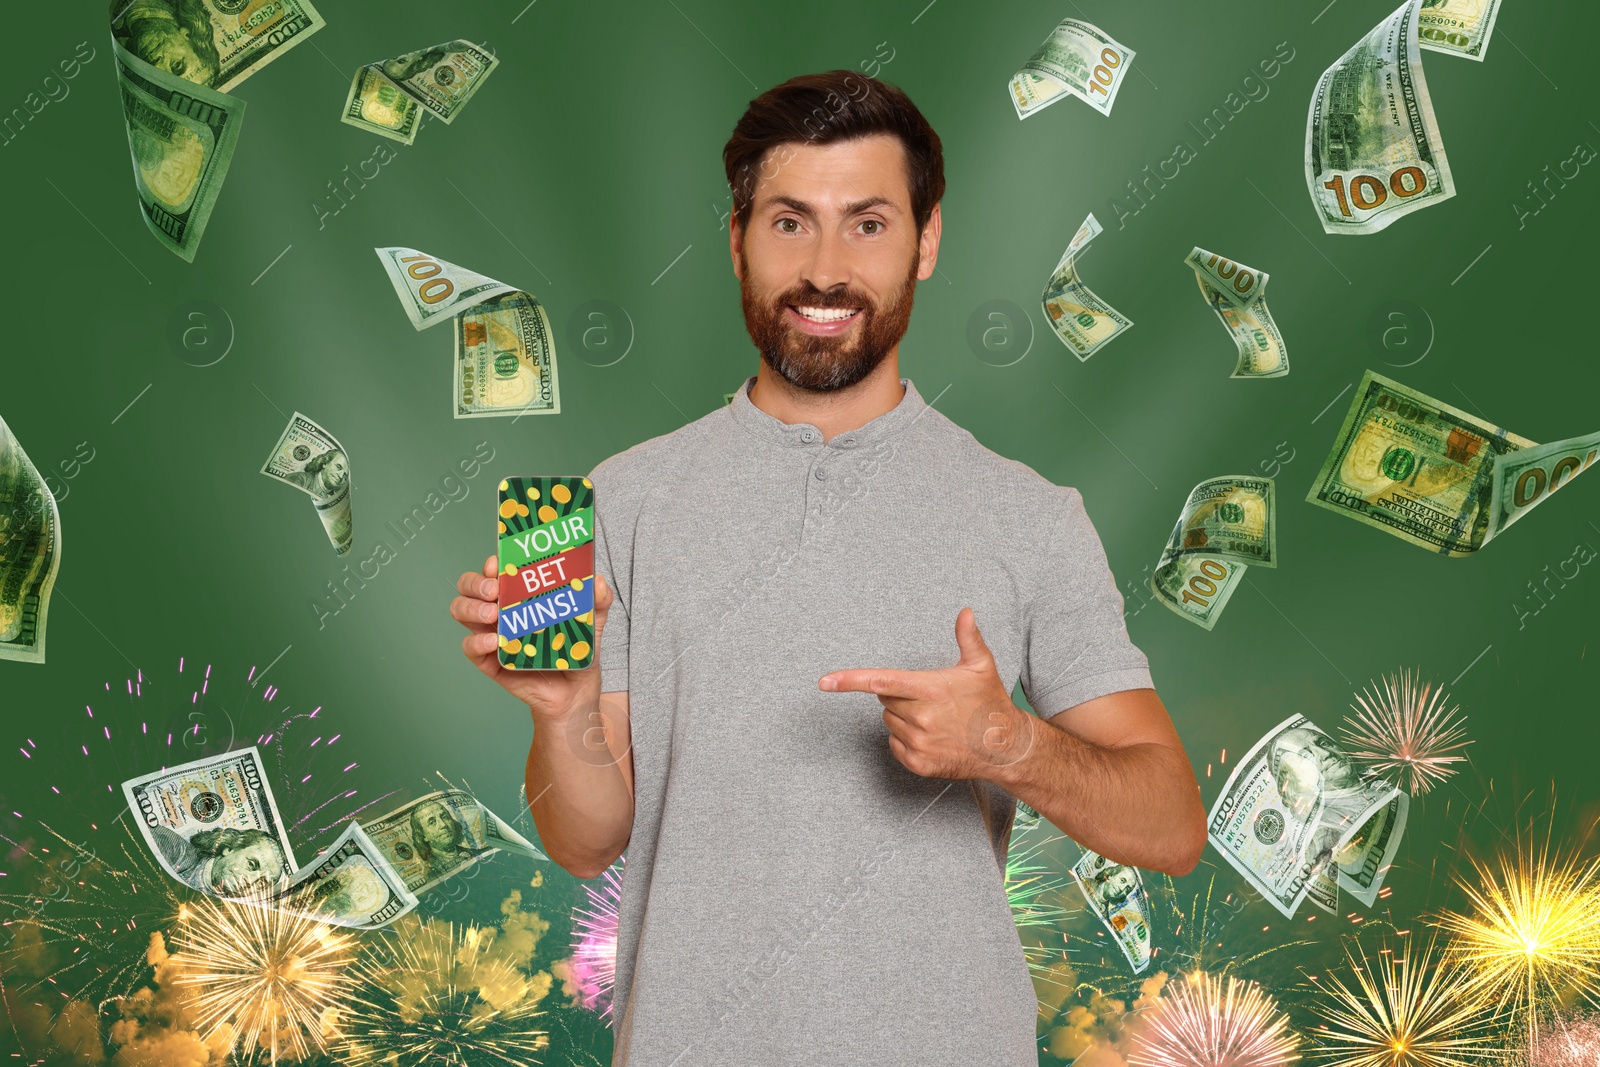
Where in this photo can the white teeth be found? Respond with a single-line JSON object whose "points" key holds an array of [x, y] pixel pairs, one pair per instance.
{"points": [[826, 314]]}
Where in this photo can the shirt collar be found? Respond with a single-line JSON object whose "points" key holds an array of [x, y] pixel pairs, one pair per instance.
{"points": [[769, 428]]}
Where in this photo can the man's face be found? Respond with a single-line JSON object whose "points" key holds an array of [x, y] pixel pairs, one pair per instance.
{"points": [[438, 828], [259, 863], [335, 473], [1299, 779], [1117, 885], [173, 52], [829, 259]]}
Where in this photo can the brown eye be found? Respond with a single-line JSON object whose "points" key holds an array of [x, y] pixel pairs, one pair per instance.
{"points": [[781, 222], [873, 222]]}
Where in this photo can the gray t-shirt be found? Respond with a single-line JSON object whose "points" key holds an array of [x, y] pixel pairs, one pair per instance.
{"points": [[793, 894]]}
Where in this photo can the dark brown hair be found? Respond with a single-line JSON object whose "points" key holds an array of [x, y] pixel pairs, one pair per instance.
{"points": [[837, 105]]}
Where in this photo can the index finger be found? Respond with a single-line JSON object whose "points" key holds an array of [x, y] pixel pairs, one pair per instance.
{"points": [[481, 587], [879, 681]]}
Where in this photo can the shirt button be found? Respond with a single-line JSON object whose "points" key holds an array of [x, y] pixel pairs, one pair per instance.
{"points": [[820, 473], [808, 437]]}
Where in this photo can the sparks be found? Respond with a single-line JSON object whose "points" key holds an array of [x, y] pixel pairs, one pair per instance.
{"points": [[264, 979], [437, 994], [1571, 1043], [1211, 1021], [1532, 934], [1415, 1010], [594, 944], [1406, 733]]}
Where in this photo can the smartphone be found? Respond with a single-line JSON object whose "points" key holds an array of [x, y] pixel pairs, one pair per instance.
{"points": [[546, 574]]}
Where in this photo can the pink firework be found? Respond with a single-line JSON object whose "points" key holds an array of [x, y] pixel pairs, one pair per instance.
{"points": [[1406, 733], [1208, 1020], [594, 949], [1569, 1043]]}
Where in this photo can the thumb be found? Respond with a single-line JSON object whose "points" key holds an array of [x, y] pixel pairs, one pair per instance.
{"points": [[603, 599], [974, 650]]}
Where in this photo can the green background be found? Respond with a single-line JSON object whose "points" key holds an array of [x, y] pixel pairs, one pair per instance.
{"points": [[588, 169]]}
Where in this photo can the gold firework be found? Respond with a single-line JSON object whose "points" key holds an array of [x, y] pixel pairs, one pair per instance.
{"points": [[266, 980], [1532, 935], [1408, 1008], [437, 994], [1214, 1021], [1406, 733]]}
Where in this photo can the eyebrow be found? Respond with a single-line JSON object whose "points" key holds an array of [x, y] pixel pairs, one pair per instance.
{"points": [[855, 207]]}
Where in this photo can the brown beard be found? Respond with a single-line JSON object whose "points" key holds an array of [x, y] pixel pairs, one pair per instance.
{"points": [[824, 364]]}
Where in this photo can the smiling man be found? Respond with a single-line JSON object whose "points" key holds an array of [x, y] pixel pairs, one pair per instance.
{"points": [[812, 608]]}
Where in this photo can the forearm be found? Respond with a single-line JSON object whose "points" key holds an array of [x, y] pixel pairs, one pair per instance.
{"points": [[1137, 804], [578, 795]]}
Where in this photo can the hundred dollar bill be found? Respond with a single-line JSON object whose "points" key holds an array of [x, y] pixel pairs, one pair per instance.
{"points": [[505, 360], [30, 552], [351, 884], [433, 290], [375, 103], [1077, 59], [313, 461], [1025, 819], [1459, 27], [1116, 895], [1238, 294], [388, 98], [213, 824], [1373, 151], [1083, 321], [175, 62], [441, 834], [1431, 474], [181, 136], [1227, 524], [216, 43], [1296, 813]]}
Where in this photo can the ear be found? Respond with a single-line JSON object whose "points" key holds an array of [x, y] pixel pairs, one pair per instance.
{"points": [[928, 246], [735, 242]]}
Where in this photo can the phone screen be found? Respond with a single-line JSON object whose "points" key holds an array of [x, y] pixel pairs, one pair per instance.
{"points": [[546, 574]]}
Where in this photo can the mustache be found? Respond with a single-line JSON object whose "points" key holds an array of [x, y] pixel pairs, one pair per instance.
{"points": [[818, 299]]}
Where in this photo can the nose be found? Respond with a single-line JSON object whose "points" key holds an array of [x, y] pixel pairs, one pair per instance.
{"points": [[829, 265]]}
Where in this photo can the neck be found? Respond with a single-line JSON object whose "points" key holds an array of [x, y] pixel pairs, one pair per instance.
{"points": [[833, 412]]}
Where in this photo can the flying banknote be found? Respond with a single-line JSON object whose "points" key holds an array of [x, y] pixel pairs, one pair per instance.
{"points": [[1077, 59], [30, 552], [1083, 321], [1228, 523], [389, 98], [1373, 151], [175, 62], [505, 353], [1297, 817], [1432, 474], [1238, 294]]}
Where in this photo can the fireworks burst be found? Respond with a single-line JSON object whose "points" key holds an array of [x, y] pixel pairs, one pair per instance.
{"points": [[1406, 733], [437, 994], [82, 890], [1410, 1010], [1570, 1043], [1028, 884], [1532, 936], [264, 979], [594, 948], [1213, 1021]]}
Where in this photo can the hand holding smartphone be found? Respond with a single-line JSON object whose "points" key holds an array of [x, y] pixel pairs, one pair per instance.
{"points": [[546, 557]]}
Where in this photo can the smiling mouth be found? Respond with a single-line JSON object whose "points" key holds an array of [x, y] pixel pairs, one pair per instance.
{"points": [[824, 315]]}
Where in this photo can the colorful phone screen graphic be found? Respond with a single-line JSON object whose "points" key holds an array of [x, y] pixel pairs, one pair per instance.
{"points": [[546, 574]]}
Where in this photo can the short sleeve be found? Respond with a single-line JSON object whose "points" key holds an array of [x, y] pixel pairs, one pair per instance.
{"points": [[1076, 646], [613, 561]]}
